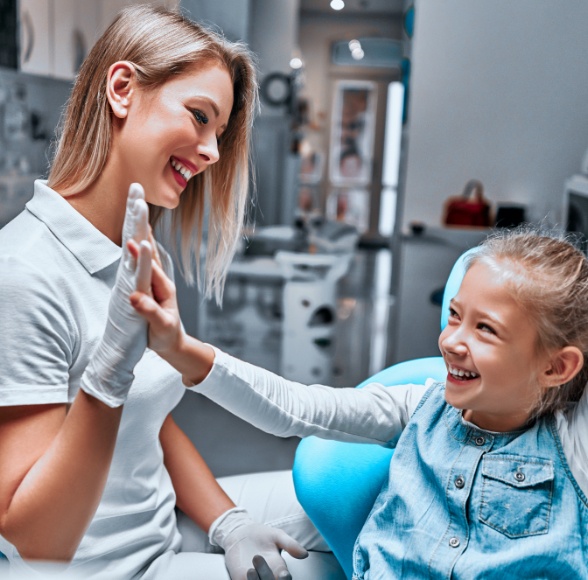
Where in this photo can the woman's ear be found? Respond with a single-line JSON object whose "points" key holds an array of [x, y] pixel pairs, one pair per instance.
{"points": [[120, 84], [564, 365]]}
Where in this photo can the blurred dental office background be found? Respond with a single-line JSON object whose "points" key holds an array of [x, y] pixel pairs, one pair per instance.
{"points": [[375, 114]]}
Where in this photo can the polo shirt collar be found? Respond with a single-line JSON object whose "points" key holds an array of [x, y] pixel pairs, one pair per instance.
{"points": [[90, 247]]}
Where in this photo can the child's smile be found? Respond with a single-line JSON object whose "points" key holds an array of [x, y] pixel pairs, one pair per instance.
{"points": [[458, 374], [490, 349]]}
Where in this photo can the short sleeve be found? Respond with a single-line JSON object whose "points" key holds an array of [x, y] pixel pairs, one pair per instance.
{"points": [[36, 337]]}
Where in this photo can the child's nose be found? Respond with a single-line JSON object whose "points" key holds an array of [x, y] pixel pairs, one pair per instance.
{"points": [[454, 342]]}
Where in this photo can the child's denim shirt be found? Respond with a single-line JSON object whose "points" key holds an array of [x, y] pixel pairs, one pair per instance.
{"points": [[465, 503]]}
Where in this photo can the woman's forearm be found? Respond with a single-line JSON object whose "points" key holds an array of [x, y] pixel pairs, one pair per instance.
{"points": [[56, 498], [198, 494]]}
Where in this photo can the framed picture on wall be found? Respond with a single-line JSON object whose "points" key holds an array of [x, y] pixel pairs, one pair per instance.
{"points": [[352, 133], [311, 167], [351, 206]]}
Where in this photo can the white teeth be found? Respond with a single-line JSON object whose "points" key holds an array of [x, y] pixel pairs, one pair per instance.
{"points": [[186, 173], [461, 373]]}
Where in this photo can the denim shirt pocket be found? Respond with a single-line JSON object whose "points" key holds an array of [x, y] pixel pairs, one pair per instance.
{"points": [[517, 492]]}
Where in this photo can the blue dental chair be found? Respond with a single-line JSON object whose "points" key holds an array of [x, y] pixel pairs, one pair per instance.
{"points": [[337, 483]]}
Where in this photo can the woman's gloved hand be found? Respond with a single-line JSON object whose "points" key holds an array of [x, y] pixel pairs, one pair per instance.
{"points": [[109, 374], [252, 550]]}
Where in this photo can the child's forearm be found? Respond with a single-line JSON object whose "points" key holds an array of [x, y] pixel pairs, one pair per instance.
{"points": [[192, 358]]}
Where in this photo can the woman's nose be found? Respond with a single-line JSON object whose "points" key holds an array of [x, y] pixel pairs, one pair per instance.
{"points": [[208, 150]]}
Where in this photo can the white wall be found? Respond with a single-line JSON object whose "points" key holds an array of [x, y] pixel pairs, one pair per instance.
{"points": [[499, 92]]}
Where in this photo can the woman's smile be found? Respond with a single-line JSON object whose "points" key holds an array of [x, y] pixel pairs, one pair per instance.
{"points": [[182, 170], [171, 134]]}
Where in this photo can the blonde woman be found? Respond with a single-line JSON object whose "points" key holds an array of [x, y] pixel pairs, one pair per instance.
{"points": [[93, 465]]}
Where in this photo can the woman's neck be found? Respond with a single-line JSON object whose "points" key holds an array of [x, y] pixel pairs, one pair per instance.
{"points": [[102, 204]]}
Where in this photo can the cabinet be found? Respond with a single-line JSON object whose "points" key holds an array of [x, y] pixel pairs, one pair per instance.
{"points": [[75, 29], [35, 36], [56, 35]]}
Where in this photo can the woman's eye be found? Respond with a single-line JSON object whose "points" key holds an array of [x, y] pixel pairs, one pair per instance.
{"points": [[200, 116]]}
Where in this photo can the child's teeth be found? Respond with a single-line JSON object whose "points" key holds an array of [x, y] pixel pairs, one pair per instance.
{"points": [[462, 373]]}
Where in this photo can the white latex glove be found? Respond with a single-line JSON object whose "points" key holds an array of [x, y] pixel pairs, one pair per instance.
{"points": [[109, 374], [252, 550]]}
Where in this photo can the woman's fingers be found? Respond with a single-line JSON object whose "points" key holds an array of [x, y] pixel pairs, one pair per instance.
{"points": [[143, 274]]}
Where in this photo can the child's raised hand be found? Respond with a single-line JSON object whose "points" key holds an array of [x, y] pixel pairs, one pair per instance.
{"points": [[158, 305]]}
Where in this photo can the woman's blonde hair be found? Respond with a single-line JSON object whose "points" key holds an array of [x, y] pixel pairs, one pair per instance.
{"points": [[548, 277], [162, 44]]}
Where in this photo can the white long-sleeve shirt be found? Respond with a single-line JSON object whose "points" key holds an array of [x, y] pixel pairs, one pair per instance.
{"points": [[372, 414]]}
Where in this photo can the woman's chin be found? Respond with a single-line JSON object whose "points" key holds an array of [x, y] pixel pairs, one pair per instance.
{"points": [[166, 202]]}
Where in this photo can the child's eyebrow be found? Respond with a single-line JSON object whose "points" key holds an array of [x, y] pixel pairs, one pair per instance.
{"points": [[492, 320]]}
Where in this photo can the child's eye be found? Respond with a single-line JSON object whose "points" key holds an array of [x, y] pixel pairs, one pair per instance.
{"points": [[486, 328], [453, 313], [200, 116]]}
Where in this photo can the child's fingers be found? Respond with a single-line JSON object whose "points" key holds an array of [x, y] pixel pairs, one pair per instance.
{"points": [[146, 307], [163, 287], [156, 256], [133, 248]]}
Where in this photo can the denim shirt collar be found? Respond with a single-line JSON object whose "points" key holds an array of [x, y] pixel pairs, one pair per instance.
{"points": [[468, 433]]}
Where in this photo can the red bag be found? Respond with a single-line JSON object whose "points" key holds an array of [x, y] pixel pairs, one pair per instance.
{"points": [[468, 209]]}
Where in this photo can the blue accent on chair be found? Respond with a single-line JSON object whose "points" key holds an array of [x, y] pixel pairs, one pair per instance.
{"points": [[453, 283], [337, 483]]}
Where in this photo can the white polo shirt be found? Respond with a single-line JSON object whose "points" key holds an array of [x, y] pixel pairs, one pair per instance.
{"points": [[56, 274]]}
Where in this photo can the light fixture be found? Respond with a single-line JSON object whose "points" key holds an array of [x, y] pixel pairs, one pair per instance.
{"points": [[337, 4], [296, 62], [356, 50]]}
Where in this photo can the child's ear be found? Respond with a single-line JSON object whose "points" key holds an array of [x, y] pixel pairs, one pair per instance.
{"points": [[120, 84], [563, 366]]}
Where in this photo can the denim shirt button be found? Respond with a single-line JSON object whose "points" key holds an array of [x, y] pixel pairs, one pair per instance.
{"points": [[459, 481], [520, 476], [454, 542], [480, 440]]}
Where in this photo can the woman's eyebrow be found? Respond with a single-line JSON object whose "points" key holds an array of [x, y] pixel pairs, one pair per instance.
{"points": [[213, 105]]}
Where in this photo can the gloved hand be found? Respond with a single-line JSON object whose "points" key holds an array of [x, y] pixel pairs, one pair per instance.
{"points": [[109, 374], [252, 550]]}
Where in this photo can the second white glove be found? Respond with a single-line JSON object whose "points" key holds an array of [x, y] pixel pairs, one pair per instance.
{"points": [[242, 538]]}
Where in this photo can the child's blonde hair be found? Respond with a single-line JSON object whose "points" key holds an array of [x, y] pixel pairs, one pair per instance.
{"points": [[548, 277], [162, 44]]}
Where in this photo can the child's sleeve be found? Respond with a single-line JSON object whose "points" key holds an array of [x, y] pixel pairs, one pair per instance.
{"points": [[372, 414], [573, 431]]}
